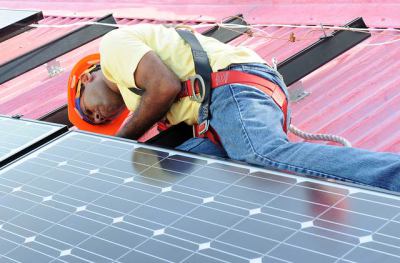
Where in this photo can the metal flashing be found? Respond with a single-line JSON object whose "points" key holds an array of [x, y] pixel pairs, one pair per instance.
{"points": [[321, 52], [226, 35]]}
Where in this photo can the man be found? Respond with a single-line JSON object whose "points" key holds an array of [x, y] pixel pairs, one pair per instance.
{"points": [[143, 66]]}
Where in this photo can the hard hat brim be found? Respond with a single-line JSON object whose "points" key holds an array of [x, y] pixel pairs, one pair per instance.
{"points": [[109, 128]]}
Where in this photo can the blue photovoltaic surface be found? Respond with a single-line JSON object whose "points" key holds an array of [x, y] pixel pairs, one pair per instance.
{"points": [[16, 135], [88, 198]]}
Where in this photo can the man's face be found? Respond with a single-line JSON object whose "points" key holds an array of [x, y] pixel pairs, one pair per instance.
{"points": [[98, 102]]}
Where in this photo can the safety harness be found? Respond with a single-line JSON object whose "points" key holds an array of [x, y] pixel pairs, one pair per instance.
{"points": [[198, 87]]}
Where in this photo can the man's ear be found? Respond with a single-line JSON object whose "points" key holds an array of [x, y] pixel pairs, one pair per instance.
{"points": [[86, 78]]}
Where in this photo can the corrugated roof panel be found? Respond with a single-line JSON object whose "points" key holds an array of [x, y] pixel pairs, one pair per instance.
{"points": [[34, 38], [355, 95], [357, 87]]}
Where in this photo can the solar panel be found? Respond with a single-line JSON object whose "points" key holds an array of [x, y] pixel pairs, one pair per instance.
{"points": [[19, 136], [13, 22], [90, 198]]}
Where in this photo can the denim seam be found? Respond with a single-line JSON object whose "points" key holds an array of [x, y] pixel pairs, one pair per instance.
{"points": [[191, 148], [273, 163]]}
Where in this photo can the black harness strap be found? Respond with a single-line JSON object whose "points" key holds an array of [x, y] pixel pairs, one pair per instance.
{"points": [[137, 91], [202, 68]]}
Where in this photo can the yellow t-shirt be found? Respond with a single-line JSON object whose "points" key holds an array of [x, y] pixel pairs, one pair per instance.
{"points": [[122, 49]]}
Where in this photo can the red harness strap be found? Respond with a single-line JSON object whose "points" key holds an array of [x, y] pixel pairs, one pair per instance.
{"points": [[221, 78], [211, 134], [230, 77]]}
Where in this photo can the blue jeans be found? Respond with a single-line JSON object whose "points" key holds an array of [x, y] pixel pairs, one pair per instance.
{"points": [[249, 124]]}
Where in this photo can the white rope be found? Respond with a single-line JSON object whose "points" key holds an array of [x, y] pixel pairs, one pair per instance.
{"points": [[365, 30], [76, 24], [319, 136], [254, 27], [225, 25]]}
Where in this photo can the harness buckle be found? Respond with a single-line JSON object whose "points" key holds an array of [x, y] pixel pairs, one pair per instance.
{"points": [[203, 127], [202, 91]]}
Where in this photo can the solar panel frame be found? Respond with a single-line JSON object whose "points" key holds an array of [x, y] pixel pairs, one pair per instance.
{"points": [[14, 22], [214, 209], [15, 150]]}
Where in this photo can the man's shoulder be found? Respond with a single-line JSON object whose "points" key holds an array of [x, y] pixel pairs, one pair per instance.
{"points": [[146, 33]]}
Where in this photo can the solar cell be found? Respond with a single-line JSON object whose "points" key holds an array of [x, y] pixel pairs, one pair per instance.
{"points": [[90, 198], [17, 136]]}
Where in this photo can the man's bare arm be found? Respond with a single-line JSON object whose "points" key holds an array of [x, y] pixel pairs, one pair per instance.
{"points": [[160, 86]]}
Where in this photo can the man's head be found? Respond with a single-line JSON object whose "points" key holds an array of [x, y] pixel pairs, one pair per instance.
{"points": [[96, 101], [91, 102]]}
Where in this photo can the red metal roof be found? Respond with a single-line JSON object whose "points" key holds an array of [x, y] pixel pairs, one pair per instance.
{"points": [[383, 13], [355, 95]]}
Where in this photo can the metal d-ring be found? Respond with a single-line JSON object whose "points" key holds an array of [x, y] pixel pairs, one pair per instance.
{"points": [[199, 98]]}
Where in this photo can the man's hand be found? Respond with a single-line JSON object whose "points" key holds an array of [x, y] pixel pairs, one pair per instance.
{"points": [[161, 86]]}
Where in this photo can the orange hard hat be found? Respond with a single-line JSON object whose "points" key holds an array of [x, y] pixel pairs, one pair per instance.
{"points": [[75, 114]]}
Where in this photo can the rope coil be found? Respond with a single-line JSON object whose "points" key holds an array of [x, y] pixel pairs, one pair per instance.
{"points": [[319, 136]]}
